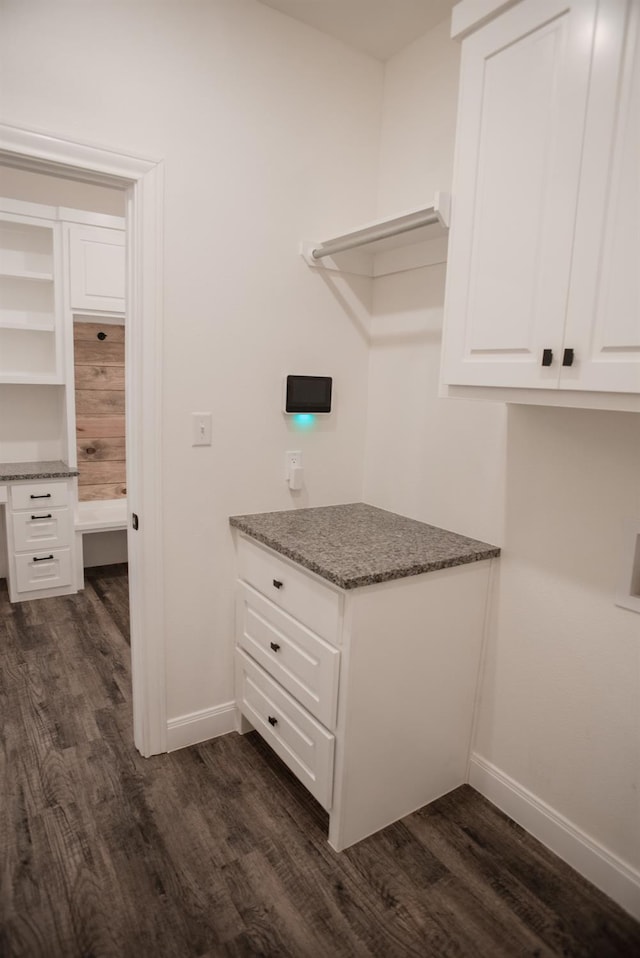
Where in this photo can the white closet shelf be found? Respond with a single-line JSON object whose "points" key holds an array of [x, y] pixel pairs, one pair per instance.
{"points": [[40, 326], [25, 274], [30, 379], [381, 247]]}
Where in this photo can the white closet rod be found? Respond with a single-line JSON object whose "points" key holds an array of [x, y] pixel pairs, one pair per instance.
{"points": [[374, 233]]}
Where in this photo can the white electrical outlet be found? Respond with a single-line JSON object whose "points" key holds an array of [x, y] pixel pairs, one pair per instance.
{"points": [[293, 460], [201, 428], [293, 470]]}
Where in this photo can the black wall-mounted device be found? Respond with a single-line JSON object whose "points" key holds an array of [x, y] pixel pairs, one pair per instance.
{"points": [[310, 394]]}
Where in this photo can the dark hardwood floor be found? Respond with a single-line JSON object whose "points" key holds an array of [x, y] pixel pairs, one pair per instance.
{"points": [[216, 849]]}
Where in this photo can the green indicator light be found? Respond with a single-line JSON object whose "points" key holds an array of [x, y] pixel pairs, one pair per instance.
{"points": [[304, 420]]}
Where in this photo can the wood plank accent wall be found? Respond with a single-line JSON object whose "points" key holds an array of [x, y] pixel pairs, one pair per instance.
{"points": [[100, 422]]}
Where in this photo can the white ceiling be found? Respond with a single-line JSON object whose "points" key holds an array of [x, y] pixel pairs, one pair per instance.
{"points": [[377, 27]]}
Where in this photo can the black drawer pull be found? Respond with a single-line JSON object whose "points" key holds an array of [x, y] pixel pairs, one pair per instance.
{"points": [[102, 336], [547, 357], [42, 558], [277, 583], [46, 495], [567, 359], [48, 516], [275, 646], [271, 720]]}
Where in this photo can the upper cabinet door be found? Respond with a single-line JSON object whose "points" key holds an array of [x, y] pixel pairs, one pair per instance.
{"points": [[603, 319], [97, 268], [523, 95]]}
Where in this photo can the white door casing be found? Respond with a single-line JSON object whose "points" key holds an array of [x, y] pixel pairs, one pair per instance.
{"points": [[143, 180]]}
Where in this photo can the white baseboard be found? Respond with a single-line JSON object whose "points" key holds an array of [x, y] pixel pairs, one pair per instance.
{"points": [[200, 726], [612, 875]]}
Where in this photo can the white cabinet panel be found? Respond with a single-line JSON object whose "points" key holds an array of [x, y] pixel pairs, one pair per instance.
{"points": [[43, 570], [29, 495], [603, 322], [97, 268], [302, 662], [301, 742], [298, 593], [524, 87], [41, 529]]}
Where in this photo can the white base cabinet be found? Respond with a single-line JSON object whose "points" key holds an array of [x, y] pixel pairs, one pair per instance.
{"points": [[368, 694], [39, 539]]}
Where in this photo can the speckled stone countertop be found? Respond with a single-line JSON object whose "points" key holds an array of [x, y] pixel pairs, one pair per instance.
{"points": [[356, 544], [13, 471]]}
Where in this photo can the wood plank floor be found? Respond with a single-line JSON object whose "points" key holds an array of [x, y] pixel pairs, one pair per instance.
{"points": [[216, 849]]}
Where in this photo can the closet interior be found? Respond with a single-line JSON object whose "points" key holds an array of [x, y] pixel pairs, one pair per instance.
{"points": [[62, 381]]}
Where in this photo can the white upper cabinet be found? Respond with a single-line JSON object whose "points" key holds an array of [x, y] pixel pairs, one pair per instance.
{"points": [[97, 268], [603, 316], [542, 286]]}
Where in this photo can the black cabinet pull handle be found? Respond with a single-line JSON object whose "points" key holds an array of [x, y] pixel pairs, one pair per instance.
{"points": [[567, 358], [272, 721], [46, 495], [277, 583], [275, 646], [42, 558], [48, 516], [547, 357], [102, 336]]}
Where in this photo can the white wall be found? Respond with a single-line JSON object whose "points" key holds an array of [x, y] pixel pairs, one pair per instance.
{"points": [[269, 133], [30, 419], [561, 701], [436, 460], [560, 709]]}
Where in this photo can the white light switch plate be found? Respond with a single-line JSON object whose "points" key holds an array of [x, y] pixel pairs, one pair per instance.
{"points": [[201, 427]]}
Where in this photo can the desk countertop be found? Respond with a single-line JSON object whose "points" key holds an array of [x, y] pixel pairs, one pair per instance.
{"points": [[15, 471]]}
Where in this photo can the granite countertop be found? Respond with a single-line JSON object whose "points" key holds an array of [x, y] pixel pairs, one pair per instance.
{"points": [[356, 544], [13, 471]]}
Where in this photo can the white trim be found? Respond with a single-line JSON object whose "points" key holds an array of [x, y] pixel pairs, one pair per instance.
{"points": [[470, 15], [65, 213], [611, 874], [143, 180], [201, 726]]}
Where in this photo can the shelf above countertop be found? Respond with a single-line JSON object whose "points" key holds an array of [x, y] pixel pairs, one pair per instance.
{"points": [[356, 544], [381, 247]]}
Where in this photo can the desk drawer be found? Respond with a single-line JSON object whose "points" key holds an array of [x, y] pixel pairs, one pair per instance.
{"points": [[41, 529], [39, 495], [43, 570], [306, 665], [315, 605], [301, 742]]}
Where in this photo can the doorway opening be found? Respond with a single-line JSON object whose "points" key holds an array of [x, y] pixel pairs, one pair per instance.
{"points": [[139, 182]]}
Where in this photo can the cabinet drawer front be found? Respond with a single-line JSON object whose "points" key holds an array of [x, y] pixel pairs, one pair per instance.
{"points": [[301, 742], [314, 604], [36, 495], [40, 529], [43, 570], [301, 661]]}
